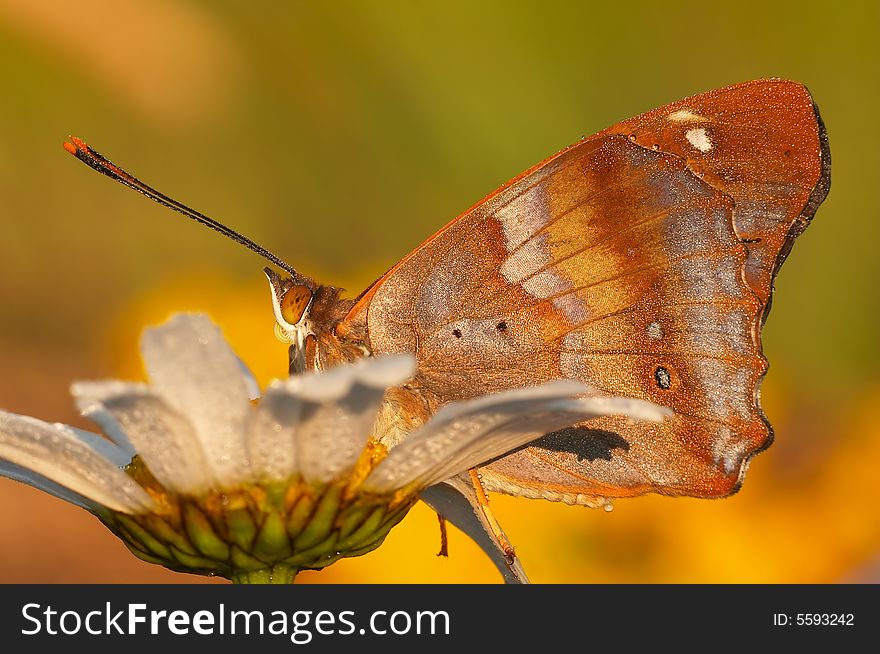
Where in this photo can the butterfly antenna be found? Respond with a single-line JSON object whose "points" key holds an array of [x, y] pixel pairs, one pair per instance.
{"points": [[94, 159]]}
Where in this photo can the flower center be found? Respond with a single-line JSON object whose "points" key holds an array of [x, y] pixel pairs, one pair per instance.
{"points": [[258, 532]]}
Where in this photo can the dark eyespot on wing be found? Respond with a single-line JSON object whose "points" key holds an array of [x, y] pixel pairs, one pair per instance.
{"points": [[663, 378]]}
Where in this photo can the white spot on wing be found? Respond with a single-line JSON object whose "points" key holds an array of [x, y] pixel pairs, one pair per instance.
{"points": [[654, 331], [572, 306], [698, 138], [526, 261], [523, 217], [685, 116], [545, 284], [728, 450]]}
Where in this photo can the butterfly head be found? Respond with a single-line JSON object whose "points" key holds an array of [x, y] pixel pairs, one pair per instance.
{"points": [[307, 315], [292, 300]]}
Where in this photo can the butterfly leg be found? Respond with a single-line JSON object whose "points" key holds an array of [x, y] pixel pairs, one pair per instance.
{"points": [[491, 521], [458, 501], [444, 539]]}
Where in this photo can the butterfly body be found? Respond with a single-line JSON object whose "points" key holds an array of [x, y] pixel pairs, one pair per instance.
{"points": [[640, 261]]}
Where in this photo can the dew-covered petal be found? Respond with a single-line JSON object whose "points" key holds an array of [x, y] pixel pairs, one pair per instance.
{"points": [[59, 455], [115, 454], [250, 382], [83, 394], [195, 370], [339, 409], [271, 435], [456, 501], [31, 478], [336, 383], [163, 438], [465, 434]]}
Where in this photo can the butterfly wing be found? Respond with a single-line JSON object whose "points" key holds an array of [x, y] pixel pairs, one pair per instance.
{"points": [[640, 261], [763, 144]]}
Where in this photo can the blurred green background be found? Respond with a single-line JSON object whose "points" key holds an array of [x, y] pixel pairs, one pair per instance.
{"points": [[340, 135]]}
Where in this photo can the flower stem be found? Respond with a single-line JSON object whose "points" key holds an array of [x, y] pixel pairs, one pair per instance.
{"points": [[278, 574]]}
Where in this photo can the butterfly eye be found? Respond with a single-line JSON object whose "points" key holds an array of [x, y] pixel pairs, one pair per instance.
{"points": [[294, 303]]}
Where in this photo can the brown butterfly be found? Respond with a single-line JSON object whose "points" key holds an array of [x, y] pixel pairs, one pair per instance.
{"points": [[639, 260]]}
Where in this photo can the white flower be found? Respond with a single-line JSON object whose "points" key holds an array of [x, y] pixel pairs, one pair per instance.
{"points": [[198, 477]]}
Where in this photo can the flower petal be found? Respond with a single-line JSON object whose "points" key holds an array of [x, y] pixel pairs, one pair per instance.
{"points": [[195, 370], [59, 455], [336, 383], [456, 501], [465, 434], [163, 438], [84, 396], [250, 382], [338, 411], [31, 478], [271, 435]]}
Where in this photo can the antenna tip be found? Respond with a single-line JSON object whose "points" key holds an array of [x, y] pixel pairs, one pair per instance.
{"points": [[75, 145]]}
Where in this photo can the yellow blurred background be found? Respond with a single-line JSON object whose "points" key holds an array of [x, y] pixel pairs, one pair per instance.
{"points": [[340, 138]]}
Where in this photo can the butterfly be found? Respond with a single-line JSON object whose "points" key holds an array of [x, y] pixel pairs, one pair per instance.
{"points": [[639, 260]]}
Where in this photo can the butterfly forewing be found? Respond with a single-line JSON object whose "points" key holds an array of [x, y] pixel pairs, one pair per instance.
{"points": [[761, 142], [639, 261]]}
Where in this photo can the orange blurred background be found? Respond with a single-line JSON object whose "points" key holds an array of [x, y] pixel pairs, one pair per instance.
{"points": [[340, 140]]}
